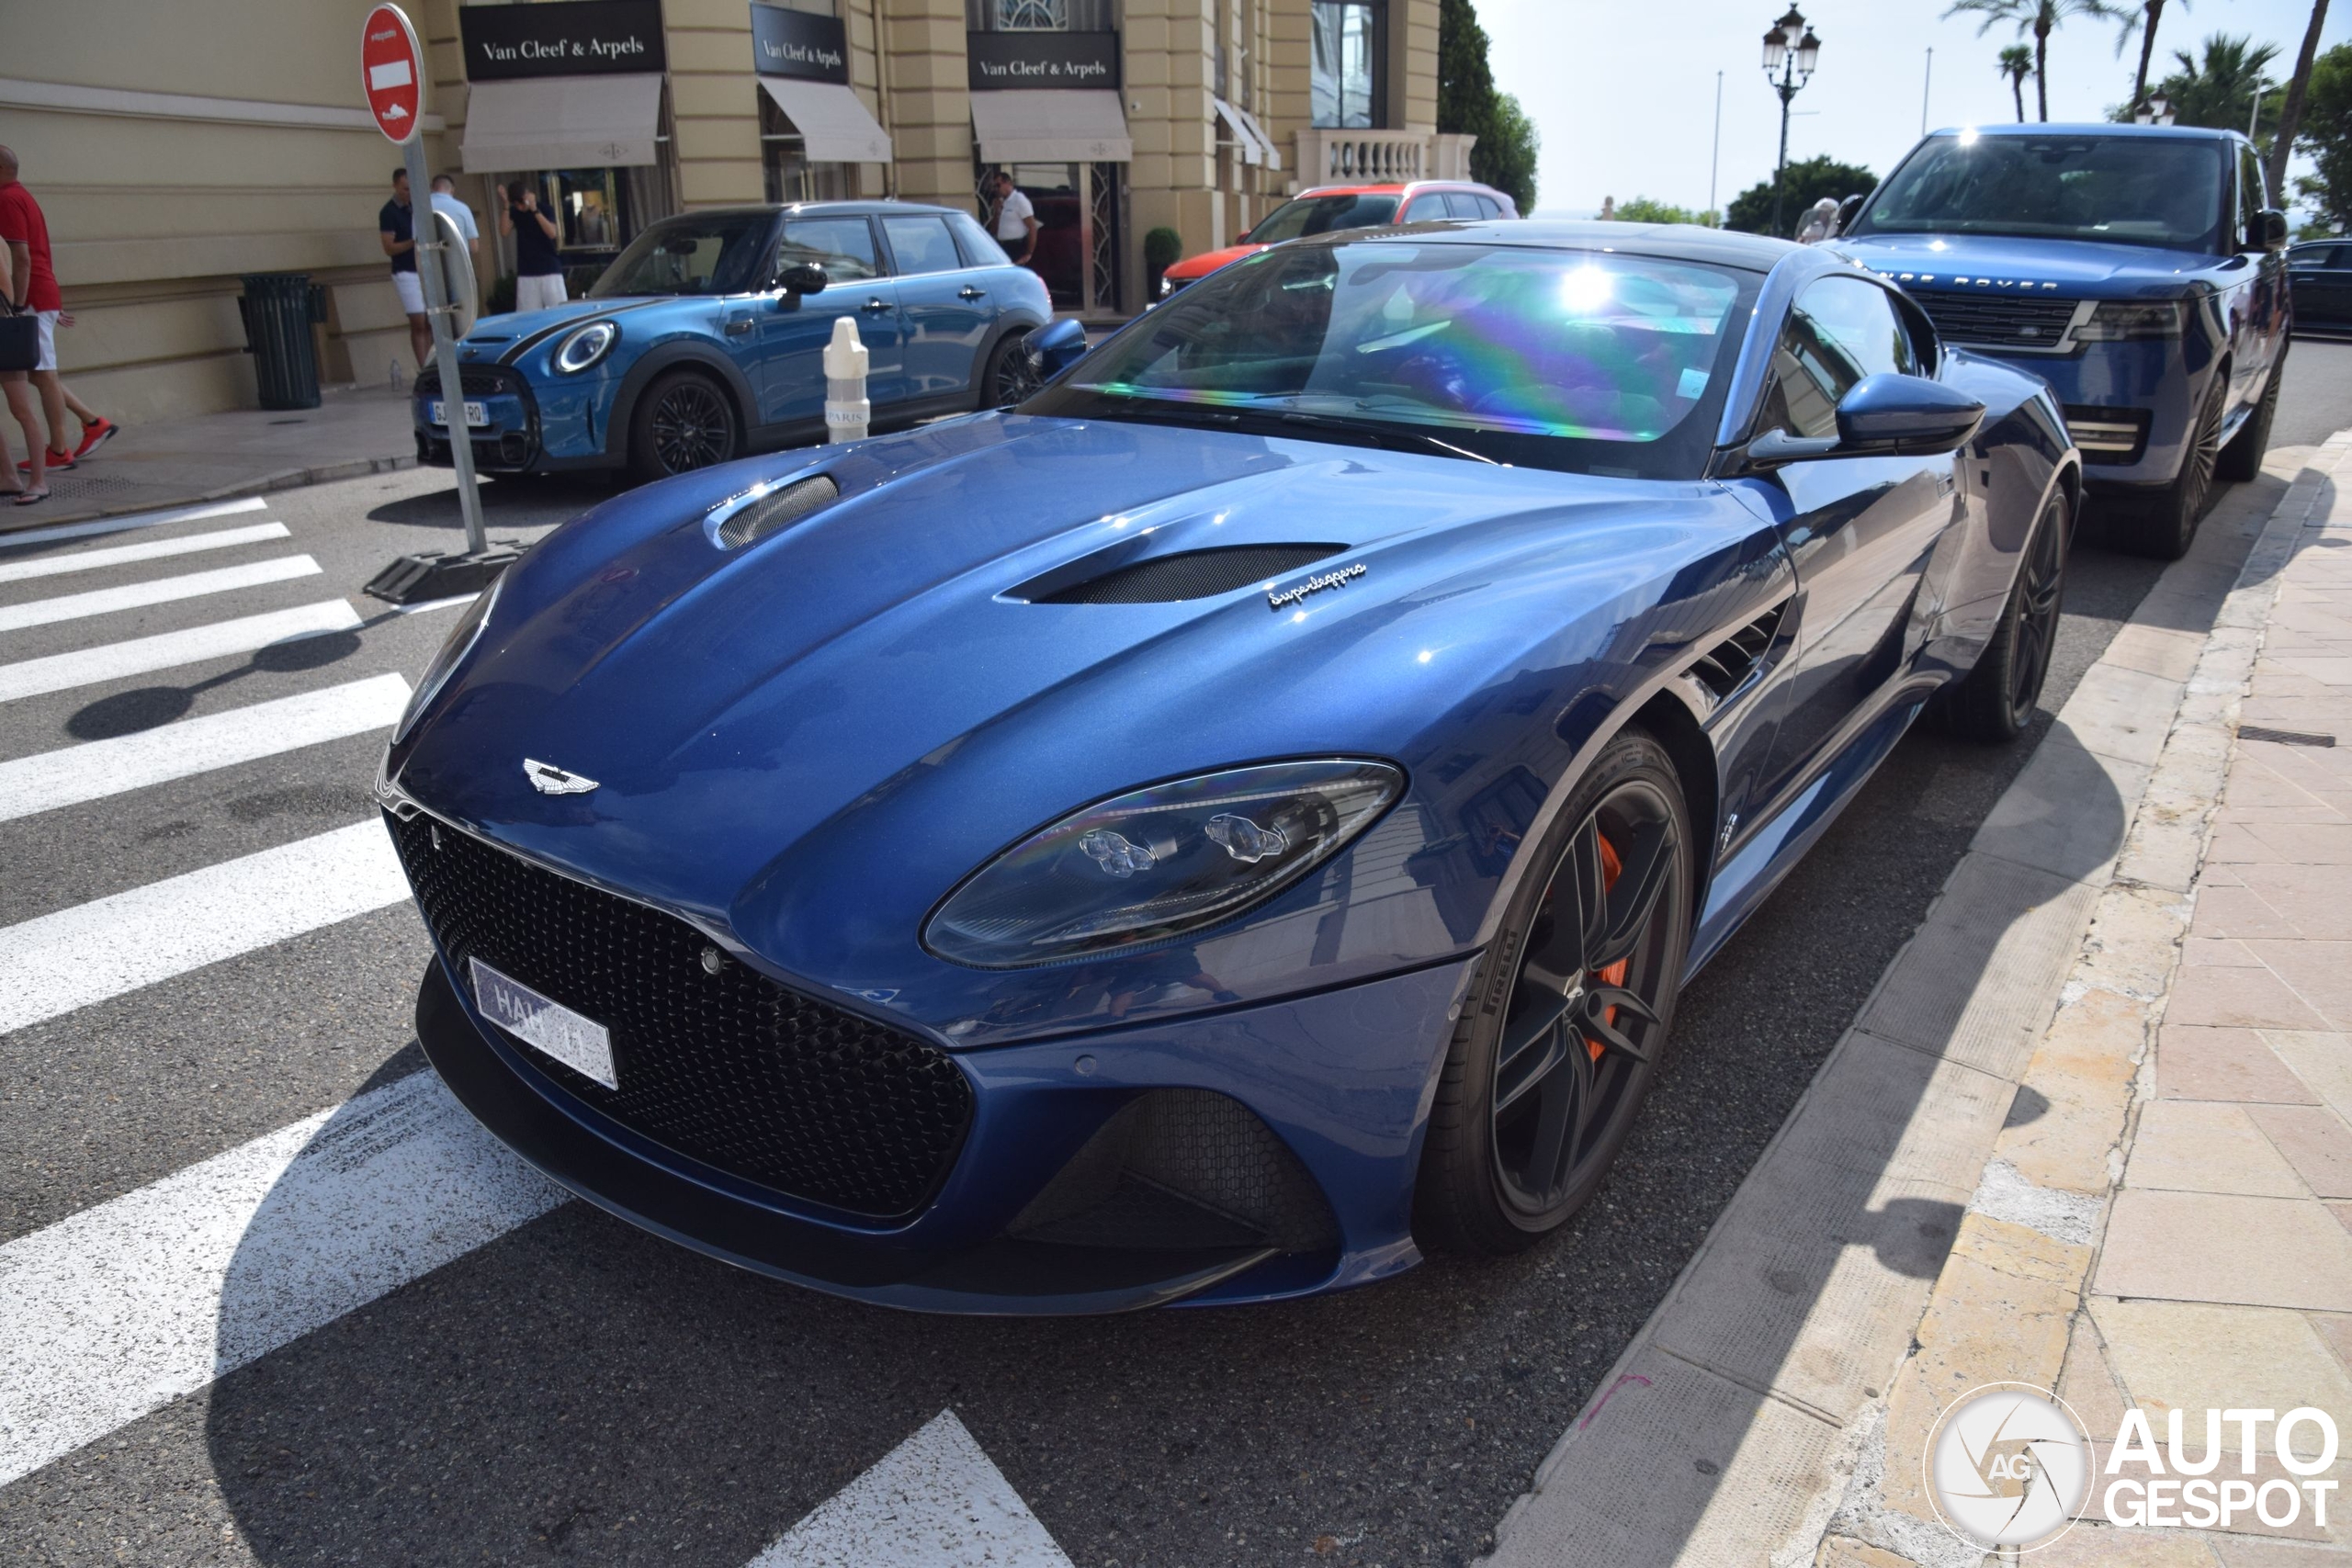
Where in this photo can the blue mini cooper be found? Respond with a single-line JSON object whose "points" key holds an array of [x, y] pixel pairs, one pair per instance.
{"points": [[702, 341], [2136, 269]]}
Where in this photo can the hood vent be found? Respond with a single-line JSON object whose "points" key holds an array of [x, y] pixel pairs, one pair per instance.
{"points": [[755, 517], [1191, 574], [1728, 663]]}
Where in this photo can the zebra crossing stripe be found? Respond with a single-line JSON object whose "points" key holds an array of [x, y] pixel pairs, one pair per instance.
{"points": [[936, 1501], [136, 520], [54, 964], [141, 656], [153, 550], [123, 1308], [97, 769], [161, 591]]}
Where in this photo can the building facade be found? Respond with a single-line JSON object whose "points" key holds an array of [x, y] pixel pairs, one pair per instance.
{"points": [[175, 148]]}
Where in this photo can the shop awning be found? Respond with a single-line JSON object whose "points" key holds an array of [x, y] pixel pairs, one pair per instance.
{"points": [[1052, 125], [833, 125], [1245, 142], [562, 123], [1274, 153]]}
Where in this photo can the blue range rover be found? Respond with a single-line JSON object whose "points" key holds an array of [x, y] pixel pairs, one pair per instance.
{"points": [[703, 340], [2137, 269]]}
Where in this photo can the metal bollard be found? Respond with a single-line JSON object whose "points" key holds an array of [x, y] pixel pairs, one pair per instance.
{"points": [[847, 413]]}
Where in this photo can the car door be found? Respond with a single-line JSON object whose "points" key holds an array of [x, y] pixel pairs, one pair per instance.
{"points": [[2257, 307], [793, 328], [2317, 282], [1858, 530], [942, 305]]}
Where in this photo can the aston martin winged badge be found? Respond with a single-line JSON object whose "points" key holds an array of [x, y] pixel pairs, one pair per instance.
{"points": [[548, 778]]}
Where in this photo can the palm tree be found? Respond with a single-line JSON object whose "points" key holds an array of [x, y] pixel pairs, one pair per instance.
{"points": [[2290, 115], [2017, 64], [2144, 24], [2220, 91], [2037, 19]]}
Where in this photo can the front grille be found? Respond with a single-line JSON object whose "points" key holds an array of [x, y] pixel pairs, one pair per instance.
{"points": [[479, 382], [1998, 321], [728, 1068]]}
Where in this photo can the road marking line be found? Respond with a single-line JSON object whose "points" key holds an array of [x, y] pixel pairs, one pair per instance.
{"points": [[138, 656], [95, 769], [57, 963], [161, 590], [186, 544], [936, 1501], [136, 520], [123, 1308]]}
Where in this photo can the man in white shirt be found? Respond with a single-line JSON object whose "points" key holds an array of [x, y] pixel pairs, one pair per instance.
{"points": [[444, 199], [1016, 221]]}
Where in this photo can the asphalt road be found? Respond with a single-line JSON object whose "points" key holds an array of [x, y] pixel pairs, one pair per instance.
{"points": [[572, 1389]]}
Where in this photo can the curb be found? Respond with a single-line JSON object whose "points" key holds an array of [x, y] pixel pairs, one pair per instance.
{"points": [[1926, 1218], [280, 478]]}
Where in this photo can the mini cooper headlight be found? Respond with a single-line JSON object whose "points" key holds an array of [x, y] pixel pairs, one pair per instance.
{"points": [[462, 638], [586, 347], [2117, 320], [1154, 864]]}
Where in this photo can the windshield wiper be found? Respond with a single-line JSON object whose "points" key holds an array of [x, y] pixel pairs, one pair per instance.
{"points": [[1379, 435]]}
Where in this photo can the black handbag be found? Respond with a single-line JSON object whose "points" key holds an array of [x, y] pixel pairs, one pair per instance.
{"points": [[19, 340]]}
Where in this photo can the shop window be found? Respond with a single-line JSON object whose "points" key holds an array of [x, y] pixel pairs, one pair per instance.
{"points": [[1039, 16], [785, 171], [1349, 65]]}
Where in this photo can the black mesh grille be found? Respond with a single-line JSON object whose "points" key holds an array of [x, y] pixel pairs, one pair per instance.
{"points": [[2004, 321], [778, 508], [1195, 574], [479, 382], [730, 1068]]}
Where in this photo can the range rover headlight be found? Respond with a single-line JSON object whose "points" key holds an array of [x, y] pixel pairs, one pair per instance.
{"points": [[586, 347], [1156, 863], [2118, 321], [461, 640]]}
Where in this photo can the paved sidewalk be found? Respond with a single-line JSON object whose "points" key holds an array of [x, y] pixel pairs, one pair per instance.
{"points": [[353, 430], [2086, 1134]]}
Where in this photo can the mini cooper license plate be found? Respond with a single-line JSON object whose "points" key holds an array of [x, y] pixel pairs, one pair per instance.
{"points": [[476, 415], [546, 1025]]}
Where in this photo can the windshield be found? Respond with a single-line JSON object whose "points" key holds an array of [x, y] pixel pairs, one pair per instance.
{"points": [[1597, 362], [2128, 190], [1322, 215], [715, 255]]}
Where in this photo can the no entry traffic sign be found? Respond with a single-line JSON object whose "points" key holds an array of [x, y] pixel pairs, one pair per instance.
{"points": [[392, 67]]}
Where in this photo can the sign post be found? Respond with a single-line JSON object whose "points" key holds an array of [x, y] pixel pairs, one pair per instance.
{"points": [[392, 67]]}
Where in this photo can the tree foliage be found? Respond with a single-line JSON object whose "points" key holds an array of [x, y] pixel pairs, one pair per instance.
{"points": [[2016, 68], [1805, 182], [2326, 136], [1646, 209], [1504, 154], [2037, 19], [2219, 90]]}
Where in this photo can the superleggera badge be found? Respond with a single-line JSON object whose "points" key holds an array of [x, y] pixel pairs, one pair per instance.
{"points": [[1314, 584]]}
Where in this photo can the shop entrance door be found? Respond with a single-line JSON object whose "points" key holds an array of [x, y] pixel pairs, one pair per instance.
{"points": [[1077, 229]]}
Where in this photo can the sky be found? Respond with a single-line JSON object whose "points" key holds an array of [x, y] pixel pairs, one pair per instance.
{"points": [[1624, 91]]}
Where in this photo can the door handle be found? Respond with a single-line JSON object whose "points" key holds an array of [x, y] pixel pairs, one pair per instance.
{"points": [[737, 325], [969, 292], [875, 305]]}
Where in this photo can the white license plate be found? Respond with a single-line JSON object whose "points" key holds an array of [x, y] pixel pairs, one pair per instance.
{"points": [[475, 413], [545, 1026]]}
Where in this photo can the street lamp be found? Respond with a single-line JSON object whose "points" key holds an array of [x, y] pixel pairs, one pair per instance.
{"points": [[1791, 53]]}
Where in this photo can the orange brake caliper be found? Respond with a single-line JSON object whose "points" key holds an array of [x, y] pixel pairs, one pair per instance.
{"points": [[1610, 866]]}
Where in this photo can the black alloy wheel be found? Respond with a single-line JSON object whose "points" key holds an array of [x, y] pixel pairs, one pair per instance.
{"points": [[2171, 524], [1550, 1065], [1994, 700], [683, 422], [1011, 374]]}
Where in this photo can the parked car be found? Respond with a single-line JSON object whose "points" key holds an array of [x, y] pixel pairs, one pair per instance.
{"points": [[2319, 275], [1328, 209], [2134, 268], [702, 341], [1241, 818]]}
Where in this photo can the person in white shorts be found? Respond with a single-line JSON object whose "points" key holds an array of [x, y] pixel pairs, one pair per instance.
{"points": [[539, 270], [395, 225]]}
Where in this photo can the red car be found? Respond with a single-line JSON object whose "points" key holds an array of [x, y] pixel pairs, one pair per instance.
{"points": [[1329, 208]]}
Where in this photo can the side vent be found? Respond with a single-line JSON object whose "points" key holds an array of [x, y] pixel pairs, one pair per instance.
{"points": [[757, 515], [1729, 661], [1193, 574]]}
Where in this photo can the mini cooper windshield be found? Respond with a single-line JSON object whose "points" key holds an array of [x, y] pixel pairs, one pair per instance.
{"points": [[714, 254], [2126, 190], [1590, 362]]}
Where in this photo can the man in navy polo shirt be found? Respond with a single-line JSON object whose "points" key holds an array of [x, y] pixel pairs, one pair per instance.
{"points": [[395, 226]]}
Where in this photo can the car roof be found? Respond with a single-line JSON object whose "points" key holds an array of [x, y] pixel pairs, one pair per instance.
{"points": [[1684, 241], [1395, 188], [816, 208], [2097, 128]]}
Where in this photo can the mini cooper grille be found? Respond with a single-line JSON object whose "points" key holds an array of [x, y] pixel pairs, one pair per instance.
{"points": [[479, 382], [2001, 321], [730, 1068], [1194, 574]]}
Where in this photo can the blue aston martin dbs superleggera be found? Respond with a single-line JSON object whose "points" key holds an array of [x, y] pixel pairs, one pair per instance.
{"points": [[1239, 819]]}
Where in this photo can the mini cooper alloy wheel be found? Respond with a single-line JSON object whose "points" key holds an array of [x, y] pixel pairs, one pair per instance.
{"points": [[692, 427]]}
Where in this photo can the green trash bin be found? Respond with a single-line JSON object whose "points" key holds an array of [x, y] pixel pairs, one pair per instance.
{"points": [[279, 307]]}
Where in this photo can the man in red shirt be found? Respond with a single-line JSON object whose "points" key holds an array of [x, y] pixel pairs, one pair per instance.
{"points": [[33, 287]]}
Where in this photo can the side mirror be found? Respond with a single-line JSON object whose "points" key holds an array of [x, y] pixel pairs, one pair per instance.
{"points": [[1846, 210], [802, 277], [1881, 416], [2267, 232], [1056, 347]]}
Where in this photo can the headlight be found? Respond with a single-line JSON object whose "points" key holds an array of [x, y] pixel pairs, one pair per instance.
{"points": [[462, 638], [1154, 864], [586, 347], [2116, 321]]}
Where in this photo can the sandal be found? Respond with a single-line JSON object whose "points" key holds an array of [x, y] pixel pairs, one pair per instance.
{"points": [[28, 497]]}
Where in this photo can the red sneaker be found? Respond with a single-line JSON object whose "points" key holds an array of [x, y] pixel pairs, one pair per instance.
{"points": [[57, 463], [94, 435]]}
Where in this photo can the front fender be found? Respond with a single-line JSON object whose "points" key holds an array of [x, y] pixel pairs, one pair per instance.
{"points": [[673, 353]]}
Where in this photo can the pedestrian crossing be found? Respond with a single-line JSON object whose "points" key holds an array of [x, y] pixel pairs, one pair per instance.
{"points": [[114, 1312]]}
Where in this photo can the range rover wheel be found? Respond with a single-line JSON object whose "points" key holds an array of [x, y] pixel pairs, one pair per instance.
{"points": [[1567, 1023], [1994, 702], [685, 421], [2171, 522], [2242, 459]]}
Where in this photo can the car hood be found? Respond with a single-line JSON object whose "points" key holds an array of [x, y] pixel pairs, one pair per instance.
{"points": [[495, 337], [2077, 268], [1207, 262]]}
